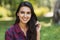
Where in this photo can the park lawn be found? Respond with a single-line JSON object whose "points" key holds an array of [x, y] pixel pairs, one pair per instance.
{"points": [[51, 32], [4, 25]]}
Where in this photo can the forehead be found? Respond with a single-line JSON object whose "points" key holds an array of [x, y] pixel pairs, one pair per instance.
{"points": [[25, 8]]}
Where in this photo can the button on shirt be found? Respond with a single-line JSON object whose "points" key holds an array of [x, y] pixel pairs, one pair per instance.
{"points": [[14, 33]]}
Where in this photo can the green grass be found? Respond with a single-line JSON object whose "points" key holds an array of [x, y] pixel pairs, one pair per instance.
{"points": [[51, 32], [4, 25]]}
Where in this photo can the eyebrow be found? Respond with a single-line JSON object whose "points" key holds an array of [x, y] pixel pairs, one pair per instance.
{"points": [[24, 11]]}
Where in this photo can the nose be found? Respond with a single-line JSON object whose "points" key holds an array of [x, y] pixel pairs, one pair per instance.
{"points": [[25, 15]]}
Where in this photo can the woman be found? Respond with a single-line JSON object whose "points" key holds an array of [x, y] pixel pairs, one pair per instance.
{"points": [[26, 26]]}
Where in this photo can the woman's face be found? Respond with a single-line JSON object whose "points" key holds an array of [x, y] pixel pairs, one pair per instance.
{"points": [[24, 14]]}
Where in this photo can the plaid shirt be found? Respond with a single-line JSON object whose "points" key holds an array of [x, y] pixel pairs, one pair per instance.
{"points": [[15, 33]]}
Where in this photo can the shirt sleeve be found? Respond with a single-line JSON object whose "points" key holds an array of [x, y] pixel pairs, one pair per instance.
{"points": [[8, 35]]}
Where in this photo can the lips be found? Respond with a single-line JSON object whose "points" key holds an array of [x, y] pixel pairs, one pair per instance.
{"points": [[25, 19]]}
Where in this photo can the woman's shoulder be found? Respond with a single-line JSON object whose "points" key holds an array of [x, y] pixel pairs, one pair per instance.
{"points": [[10, 29], [14, 29]]}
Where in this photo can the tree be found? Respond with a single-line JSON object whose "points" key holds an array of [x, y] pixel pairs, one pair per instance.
{"points": [[56, 16]]}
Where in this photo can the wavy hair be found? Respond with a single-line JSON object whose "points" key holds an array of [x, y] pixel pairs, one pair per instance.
{"points": [[31, 32]]}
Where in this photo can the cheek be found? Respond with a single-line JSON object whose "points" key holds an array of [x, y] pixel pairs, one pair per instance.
{"points": [[21, 15], [29, 16]]}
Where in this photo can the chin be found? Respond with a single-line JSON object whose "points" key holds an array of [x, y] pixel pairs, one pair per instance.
{"points": [[25, 22]]}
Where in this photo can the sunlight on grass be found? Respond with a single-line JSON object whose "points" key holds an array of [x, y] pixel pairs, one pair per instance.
{"points": [[50, 33], [6, 19]]}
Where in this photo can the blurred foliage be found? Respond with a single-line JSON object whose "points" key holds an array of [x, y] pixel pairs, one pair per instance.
{"points": [[41, 7], [4, 12], [39, 3], [41, 11], [10, 5]]}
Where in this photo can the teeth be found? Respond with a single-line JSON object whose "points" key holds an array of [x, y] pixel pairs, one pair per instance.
{"points": [[24, 19]]}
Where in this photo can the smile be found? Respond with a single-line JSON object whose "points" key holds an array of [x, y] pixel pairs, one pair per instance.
{"points": [[24, 19]]}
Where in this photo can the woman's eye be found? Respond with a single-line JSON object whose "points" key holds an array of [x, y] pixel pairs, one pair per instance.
{"points": [[28, 13], [22, 12]]}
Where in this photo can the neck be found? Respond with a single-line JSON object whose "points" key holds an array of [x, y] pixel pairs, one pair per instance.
{"points": [[22, 25]]}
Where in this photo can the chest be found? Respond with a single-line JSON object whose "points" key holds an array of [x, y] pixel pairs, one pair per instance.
{"points": [[19, 36]]}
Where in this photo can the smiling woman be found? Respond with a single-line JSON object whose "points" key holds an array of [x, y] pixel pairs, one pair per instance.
{"points": [[26, 26]]}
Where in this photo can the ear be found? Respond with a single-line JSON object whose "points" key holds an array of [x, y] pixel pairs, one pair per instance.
{"points": [[17, 14]]}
